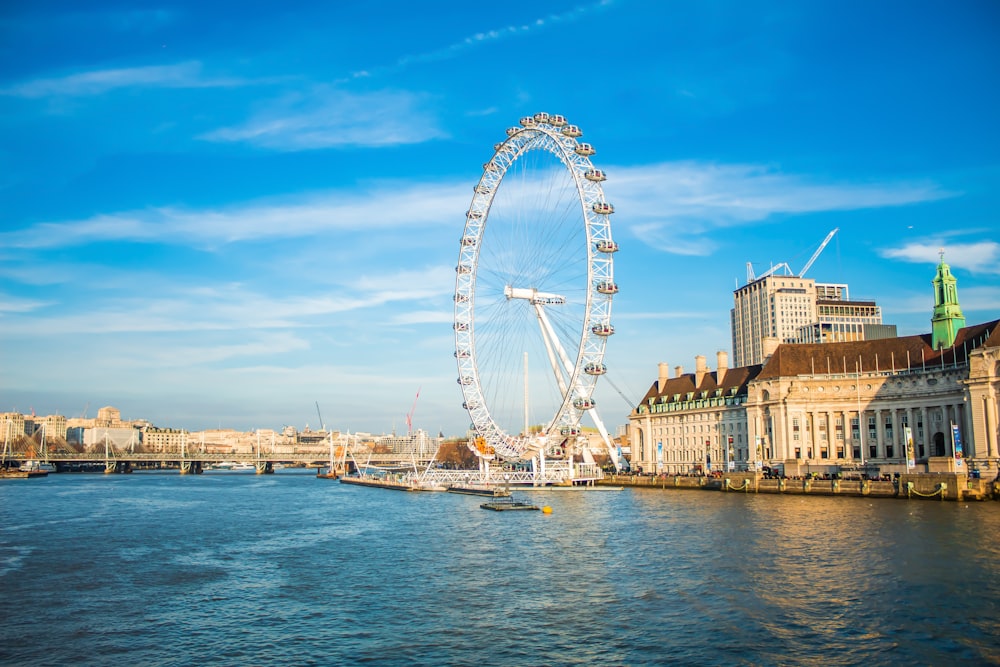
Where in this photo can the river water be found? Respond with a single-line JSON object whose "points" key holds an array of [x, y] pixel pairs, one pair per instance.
{"points": [[286, 569]]}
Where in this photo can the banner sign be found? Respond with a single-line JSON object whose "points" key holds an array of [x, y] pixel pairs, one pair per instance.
{"points": [[956, 438], [908, 437]]}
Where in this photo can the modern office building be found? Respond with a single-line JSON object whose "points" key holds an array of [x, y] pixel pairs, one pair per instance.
{"points": [[776, 309]]}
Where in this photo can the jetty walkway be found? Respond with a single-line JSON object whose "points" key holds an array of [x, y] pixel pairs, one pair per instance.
{"points": [[937, 486]]}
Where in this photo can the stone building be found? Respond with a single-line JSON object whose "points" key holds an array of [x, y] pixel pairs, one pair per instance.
{"points": [[692, 422], [920, 403], [826, 408]]}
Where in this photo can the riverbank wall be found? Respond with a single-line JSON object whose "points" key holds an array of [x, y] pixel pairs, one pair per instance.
{"points": [[934, 486]]}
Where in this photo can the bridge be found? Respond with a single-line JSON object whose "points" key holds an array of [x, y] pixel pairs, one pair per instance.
{"points": [[412, 471], [195, 462]]}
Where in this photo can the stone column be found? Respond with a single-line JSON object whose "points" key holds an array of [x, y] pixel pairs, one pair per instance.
{"points": [[949, 448], [880, 437], [924, 437], [965, 425], [896, 437], [988, 429]]}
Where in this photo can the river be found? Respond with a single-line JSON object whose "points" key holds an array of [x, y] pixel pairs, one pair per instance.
{"points": [[237, 569]]}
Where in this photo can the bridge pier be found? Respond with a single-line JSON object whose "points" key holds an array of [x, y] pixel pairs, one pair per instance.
{"points": [[191, 468], [265, 468], [117, 467]]}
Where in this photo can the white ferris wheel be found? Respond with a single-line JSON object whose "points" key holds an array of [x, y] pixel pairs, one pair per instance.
{"points": [[533, 292]]}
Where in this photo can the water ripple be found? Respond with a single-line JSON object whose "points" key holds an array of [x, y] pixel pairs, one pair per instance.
{"points": [[233, 570]]}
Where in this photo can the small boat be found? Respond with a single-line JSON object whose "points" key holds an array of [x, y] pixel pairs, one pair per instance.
{"points": [[33, 465], [331, 470], [14, 473]]}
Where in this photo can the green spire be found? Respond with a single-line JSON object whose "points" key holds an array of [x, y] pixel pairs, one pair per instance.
{"points": [[947, 318]]}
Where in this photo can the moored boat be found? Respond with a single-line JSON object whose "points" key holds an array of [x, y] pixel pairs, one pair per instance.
{"points": [[33, 465]]}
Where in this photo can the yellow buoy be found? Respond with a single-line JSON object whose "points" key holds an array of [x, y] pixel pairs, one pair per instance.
{"points": [[546, 510]]}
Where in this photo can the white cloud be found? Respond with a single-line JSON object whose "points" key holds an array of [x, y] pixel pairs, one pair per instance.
{"points": [[676, 205], [97, 82], [326, 118], [485, 37], [225, 307], [423, 317], [11, 304], [978, 257], [382, 207]]}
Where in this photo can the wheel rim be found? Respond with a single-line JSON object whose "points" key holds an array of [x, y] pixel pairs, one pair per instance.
{"points": [[538, 221]]}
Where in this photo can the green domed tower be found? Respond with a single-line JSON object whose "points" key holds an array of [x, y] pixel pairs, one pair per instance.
{"points": [[947, 318]]}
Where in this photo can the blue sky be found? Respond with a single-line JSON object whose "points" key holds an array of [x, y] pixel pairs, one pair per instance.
{"points": [[218, 214]]}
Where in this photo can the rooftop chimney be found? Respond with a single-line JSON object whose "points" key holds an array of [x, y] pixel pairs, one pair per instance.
{"points": [[678, 371], [700, 368], [664, 374], [722, 361]]}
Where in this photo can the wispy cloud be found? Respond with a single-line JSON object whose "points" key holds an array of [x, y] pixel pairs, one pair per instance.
{"points": [[677, 205], [97, 82], [326, 117], [12, 304], [977, 257], [481, 38], [164, 307], [381, 207]]}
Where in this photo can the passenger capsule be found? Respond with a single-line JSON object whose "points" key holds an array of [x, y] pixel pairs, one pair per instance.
{"points": [[473, 214], [490, 166], [469, 241], [607, 246], [585, 150], [603, 208], [464, 269], [528, 121], [465, 380], [471, 406], [595, 369], [595, 175], [572, 131], [497, 147], [461, 326], [583, 404], [607, 287], [541, 117], [462, 354], [511, 131], [461, 298], [567, 431], [602, 330], [483, 189], [556, 120]]}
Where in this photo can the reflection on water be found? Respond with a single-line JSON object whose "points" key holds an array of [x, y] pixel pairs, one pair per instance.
{"points": [[288, 569]]}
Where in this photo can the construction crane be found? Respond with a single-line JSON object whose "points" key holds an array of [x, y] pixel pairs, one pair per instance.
{"points": [[409, 415], [320, 415], [818, 251], [777, 267], [784, 265]]}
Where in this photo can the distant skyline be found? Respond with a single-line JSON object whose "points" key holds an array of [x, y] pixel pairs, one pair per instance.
{"points": [[220, 214]]}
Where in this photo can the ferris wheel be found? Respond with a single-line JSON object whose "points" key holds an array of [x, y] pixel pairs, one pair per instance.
{"points": [[533, 291]]}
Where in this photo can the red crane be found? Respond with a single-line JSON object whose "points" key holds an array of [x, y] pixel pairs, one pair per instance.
{"points": [[409, 415]]}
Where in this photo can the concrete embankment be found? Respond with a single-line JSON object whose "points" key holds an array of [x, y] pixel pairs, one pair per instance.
{"points": [[937, 486]]}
